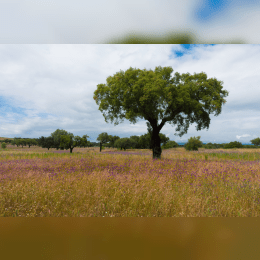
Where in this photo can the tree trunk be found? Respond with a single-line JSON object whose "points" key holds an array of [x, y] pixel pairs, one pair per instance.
{"points": [[156, 145], [100, 146], [71, 150]]}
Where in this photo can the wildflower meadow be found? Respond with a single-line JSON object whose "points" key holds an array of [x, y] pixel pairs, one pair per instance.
{"points": [[37, 182]]}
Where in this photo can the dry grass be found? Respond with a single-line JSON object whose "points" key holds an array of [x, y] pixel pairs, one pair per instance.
{"points": [[35, 182]]}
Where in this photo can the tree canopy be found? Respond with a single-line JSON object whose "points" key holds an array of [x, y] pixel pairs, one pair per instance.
{"points": [[154, 96]]}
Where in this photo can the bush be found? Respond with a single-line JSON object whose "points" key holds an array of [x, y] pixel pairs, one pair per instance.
{"points": [[3, 145], [211, 146], [170, 144], [193, 144], [208, 146], [233, 145]]}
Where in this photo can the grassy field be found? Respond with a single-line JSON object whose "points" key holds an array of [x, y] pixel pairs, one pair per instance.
{"points": [[35, 182]]}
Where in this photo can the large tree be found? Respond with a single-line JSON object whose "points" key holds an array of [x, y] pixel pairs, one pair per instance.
{"points": [[154, 96]]}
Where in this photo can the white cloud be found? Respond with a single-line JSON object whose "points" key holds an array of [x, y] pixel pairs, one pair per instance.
{"points": [[239, 136]]}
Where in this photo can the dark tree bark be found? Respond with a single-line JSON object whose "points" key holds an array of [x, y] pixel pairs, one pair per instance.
{"points": [[156, 144]]}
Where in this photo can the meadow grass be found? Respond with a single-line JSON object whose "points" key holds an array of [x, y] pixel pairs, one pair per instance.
{"points": [[35, 182]]}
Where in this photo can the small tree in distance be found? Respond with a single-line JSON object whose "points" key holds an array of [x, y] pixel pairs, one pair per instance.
{"points": [[170, 144], [69, 141], [193, 144], [255, 141], [103, 138], [231, 145], [3, 145]]}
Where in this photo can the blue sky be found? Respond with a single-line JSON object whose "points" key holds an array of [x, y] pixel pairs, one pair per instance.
{"points": [[48, 87], [79, 21]]}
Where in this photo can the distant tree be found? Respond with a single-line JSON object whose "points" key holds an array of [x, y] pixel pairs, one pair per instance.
{"points": [[124, 143], [135, 140], [70, 142], [83, 141], [112, 140], [231, 145], [193, 144], [255, 141], [13, 142], [17, 141], [61, 139], [56, 135], [46, 142], [103, 138], [170, 144], [3, 145], [7, 140], [152, 95], [208, 146], [30, 142]]}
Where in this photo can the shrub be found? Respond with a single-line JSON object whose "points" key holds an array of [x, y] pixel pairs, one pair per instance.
{"points": [[170, 144], [3, 145], [193, 144], [209, 146], [233, 145]]}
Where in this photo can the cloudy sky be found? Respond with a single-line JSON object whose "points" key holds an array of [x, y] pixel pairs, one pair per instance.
{"points": [[80, 21], [48, 87]]}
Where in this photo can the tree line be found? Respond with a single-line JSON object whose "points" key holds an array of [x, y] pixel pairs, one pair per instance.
{"points": [[61, 139]]}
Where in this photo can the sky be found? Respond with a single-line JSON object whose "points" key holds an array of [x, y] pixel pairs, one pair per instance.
{"points": [[48, 87], [80, 21]]}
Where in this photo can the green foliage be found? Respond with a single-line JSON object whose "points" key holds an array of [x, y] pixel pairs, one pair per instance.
{"points": [[255, 141], [212, 146], [103, 138], [149, 94], [177, 37], [193, 144], [250, 146], [233, 145], [208, 146], [124, 143], [112, 140], [6, 141], [170, 144], [61, 139], [3, 145], [57, 137]]}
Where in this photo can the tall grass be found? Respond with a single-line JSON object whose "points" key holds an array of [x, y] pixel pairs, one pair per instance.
{"points": [[35, 182]]}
